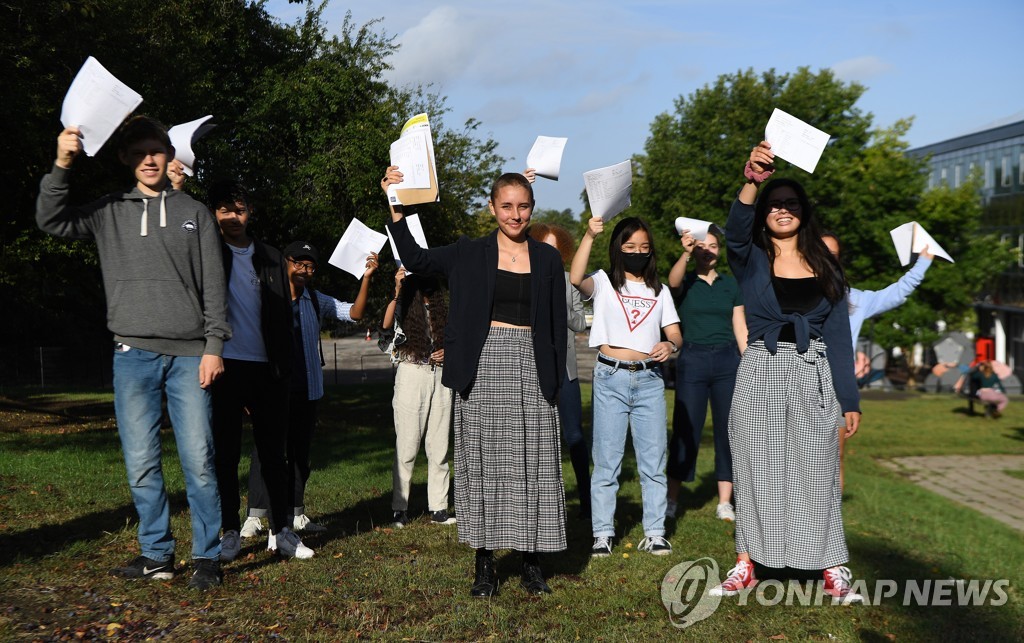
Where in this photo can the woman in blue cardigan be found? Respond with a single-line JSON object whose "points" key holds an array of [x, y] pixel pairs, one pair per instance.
{"points": [[795, 384]]}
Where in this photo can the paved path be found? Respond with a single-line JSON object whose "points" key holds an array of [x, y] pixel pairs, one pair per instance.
{"points": [[976, 481], [353, 360]]}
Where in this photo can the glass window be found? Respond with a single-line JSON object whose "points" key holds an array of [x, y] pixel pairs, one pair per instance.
{"points": [[956, 176], [1007, 180], [989, 182]]}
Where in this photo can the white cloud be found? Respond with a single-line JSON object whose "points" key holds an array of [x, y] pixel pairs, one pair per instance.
{"points": [[861, 69]]}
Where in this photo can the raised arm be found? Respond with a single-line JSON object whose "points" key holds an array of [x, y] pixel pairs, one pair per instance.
{"points": [[359, 306], [389, 312], [876, 302], [431, 261], [678, 271], [53, 215], [578, 269]]}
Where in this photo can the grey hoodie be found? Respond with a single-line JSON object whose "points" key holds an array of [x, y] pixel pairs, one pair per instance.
{"points": [[161, 263]]}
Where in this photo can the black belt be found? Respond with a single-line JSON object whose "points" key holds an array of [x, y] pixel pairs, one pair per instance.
{"points": [[629, 366]]}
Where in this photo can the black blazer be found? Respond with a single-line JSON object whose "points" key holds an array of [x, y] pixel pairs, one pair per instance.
{"points": [[276, 300], [471, 266]]}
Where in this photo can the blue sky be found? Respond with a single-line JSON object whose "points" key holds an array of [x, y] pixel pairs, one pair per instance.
{"points": [[599, 72]]}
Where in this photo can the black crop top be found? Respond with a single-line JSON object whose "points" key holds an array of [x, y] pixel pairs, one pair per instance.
{"points": [[795, 296], [511, 298]]}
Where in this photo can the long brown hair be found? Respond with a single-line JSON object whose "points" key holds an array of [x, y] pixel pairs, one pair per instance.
{"points": [[412, 316], [826, 268]]}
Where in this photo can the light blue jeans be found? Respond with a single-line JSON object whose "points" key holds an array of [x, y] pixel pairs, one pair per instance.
{"points": [[636, 400], [140, 380]]}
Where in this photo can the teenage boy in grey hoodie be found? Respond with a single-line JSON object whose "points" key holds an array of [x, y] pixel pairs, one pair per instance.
{"points": [[160, 256]]}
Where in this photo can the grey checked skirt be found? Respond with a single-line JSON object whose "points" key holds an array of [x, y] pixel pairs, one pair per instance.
{"points": [[784, 439], [508, 460]]}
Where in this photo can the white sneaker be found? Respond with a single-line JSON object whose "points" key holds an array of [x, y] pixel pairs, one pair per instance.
{"points": [[288, 544], [252, 527], [656, 545], [303, 523], [726, 511], [670, 509]]}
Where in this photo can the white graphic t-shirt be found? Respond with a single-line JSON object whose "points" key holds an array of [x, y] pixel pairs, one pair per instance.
{"points": [[632, 318]]}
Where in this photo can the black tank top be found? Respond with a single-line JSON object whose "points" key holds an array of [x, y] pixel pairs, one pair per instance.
{"points": [[800, 295], [511, 298]]}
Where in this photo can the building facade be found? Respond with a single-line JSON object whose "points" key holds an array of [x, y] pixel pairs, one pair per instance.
{"points": [[997, 154]]}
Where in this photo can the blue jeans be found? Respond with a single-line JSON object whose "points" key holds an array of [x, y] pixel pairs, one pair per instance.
{"points": [[140, 379], [703, 372], [636, 400]]}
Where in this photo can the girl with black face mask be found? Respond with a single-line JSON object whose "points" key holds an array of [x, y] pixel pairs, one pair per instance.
{"points": [[631, 310]]}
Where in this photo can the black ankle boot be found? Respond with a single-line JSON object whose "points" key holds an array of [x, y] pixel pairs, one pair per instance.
{"points": [[486, 583], [533, 578]]}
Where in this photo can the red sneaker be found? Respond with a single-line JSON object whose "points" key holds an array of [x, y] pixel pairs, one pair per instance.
{"points": [[740, 577], [837, 585]]}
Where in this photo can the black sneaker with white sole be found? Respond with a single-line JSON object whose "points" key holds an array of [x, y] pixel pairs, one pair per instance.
{"points": [[399, 519], [207, 574], [442, 517], [143, 567], [602, 547]]}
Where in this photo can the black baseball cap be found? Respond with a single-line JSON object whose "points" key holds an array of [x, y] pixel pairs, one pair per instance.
{"points": [[302, 250]]}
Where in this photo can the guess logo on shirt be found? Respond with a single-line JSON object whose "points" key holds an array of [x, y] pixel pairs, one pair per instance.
{"points": [[636, 309]]}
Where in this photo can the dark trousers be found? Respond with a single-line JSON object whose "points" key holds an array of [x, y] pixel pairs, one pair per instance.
{"points": [[251, 386], [570, 411], [301, 423], [702, 373]]}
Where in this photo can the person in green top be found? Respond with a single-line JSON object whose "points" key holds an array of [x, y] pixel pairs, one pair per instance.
{"points": [[989, 389], [714, 337]]}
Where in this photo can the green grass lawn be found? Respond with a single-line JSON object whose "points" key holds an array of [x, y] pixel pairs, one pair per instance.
{"points": [[66, 518]]}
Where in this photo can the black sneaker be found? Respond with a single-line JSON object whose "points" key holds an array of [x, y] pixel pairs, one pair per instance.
{"points": [[441, 517], [143, 567], [602, 547], [207, 574], [400, 519]]}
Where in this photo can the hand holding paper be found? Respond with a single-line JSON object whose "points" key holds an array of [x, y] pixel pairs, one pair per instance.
{"points": [[355, 246], [97, 103], [795, 140], [911, 238], [183, 136], [609, 188], [546, 156], [699, 229]]}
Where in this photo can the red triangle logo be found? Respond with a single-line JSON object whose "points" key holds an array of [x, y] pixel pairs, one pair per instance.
{"points": [[636, 309]]}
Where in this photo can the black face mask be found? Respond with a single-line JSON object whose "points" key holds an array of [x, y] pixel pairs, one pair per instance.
{"points": [[635, 262]]}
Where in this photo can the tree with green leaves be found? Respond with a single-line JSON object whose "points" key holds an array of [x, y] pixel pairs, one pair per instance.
{"points": [[863, 186], [303, 117]]}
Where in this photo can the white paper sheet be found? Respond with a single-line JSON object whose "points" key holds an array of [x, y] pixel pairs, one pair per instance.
{"points": [[184, 135], [355, 246], [418, 125], [911, 238], [97, 103], [609, 188], [795, 140], [409, 153], [416, 229], [546, 156], [699, 229]]}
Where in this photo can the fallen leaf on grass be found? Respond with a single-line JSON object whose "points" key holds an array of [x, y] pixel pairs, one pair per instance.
{"points": [[339, 555], [778, 637]]}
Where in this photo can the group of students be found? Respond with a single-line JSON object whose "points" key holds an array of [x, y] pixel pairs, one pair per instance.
{"points": [[221, 324], [771, 349]]}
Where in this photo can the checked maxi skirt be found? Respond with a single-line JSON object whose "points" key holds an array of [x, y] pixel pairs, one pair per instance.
{"points": [[508, 460], [785, 448]]}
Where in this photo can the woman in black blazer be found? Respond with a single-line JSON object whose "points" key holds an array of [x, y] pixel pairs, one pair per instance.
{"points": [[504, 355]]}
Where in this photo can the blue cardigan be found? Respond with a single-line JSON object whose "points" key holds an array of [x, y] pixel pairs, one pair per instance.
{"points": [[471, 266], [765, 318]]}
